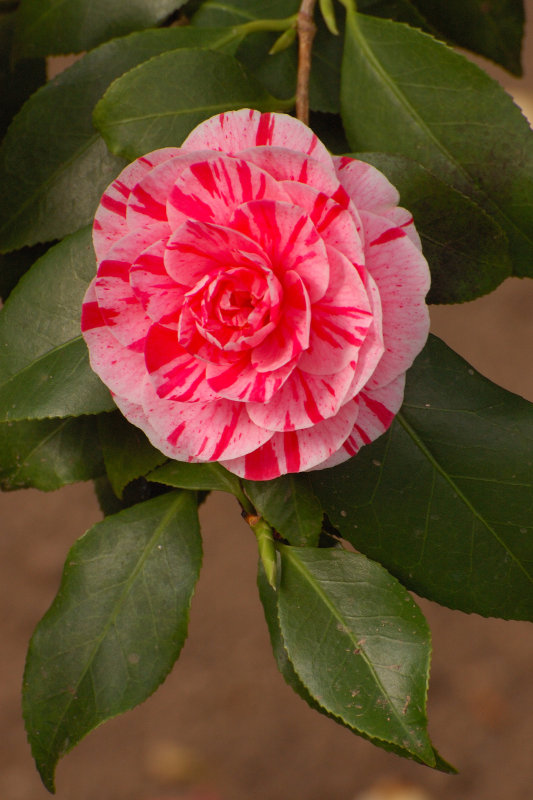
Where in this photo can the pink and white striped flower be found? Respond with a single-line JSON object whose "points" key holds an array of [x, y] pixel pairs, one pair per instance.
{"points": [[257, 301]]}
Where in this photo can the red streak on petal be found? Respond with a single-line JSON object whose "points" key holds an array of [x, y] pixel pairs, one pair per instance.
{"points": [[91, 317], [149, 205], [114, 269], [388, 236], [265, 129], [349, 446], [173, 438], [116, 206], [262, 464], [227, 433], [379, 410], [291, 449]]}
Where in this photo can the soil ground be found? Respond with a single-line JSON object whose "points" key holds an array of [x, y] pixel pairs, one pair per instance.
{"points": [[224, 726]]}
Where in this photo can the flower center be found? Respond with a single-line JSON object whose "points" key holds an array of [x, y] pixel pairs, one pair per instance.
{"points": [[236, 307]]}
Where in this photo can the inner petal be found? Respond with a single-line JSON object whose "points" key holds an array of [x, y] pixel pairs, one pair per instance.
{"points": [[197, 249], [289, 238], [209, 190]]}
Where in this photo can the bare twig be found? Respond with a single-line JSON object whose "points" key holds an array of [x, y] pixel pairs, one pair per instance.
{"points": [[306, 34]]}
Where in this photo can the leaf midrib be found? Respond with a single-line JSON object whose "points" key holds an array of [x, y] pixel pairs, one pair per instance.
{"points": [[113, 616], [403, 101], [289, 552], [448, 478]]}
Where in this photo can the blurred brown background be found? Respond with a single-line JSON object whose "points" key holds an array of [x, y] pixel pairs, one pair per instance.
{"points": [[225, 726]]}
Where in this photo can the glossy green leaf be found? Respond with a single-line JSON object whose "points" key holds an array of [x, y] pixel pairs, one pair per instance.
{"points": [[399, 10], [17, 80], [116, 627], [467, 251], [278, 72], [405, 93], [358, 643], [269, 600], [14, 265], [290, 506], [210, 477], [127, 452], [493, 29], [44, 363], [47, 27], [54, 165], [140, 112], [444, 500], [47, 454]]}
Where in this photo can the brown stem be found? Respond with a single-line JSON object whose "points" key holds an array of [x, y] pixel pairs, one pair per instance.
{"points": [[306, 34]]}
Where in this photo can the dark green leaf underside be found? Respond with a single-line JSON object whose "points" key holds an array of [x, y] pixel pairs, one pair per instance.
{"points": [[116, 626], [467, 251], [444, 500], [48, 454], [48, 27], [404, 93], [44, 364], [358, 643], [54, 165]]}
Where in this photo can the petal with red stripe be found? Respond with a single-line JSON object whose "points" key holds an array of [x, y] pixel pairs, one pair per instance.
{"points": [[339, 321], [233, 131], [296, 451], [209, 190], [110, 218], [290, 240], [402, 277]]}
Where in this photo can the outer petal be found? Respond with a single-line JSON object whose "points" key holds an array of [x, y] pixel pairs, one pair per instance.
{"points": [[147, 202], [241, 382], [335, 224], [377, 409], [122, 370], [209, 190], [296, 451], [233, 131], [339, 321], [403, 219], [175, 374], [290, 165], [303, 401], [110, 218], [290, 240], [158, 293], [118, 304], [402, 276], [366, 185], [203, 431]]}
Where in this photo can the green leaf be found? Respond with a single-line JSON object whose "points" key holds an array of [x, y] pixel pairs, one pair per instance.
{"points": [[467, 250], [116, 627], [44, 363], [210, 477], [444, 500], [278, 72], [290, 506], [358, 643], [140, 112], [404, 93], [54, 165], [17, 81], [48, 454], [47, 27], [494, 30], [399, 10], [269, 600], [14, 265], [127, 452]]}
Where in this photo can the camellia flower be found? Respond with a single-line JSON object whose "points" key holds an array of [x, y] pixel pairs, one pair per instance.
{"points": [[257, 301]]}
